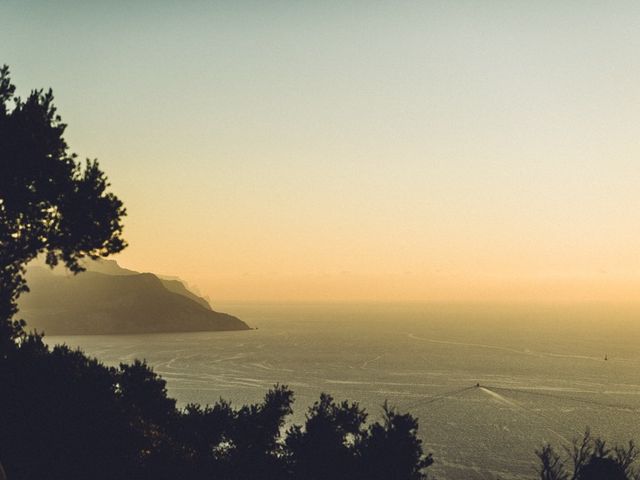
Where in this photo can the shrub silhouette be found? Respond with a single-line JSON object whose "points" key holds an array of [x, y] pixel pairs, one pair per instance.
{"points": [[337, 431], [64, 415], [67, 416], [588, 459]]}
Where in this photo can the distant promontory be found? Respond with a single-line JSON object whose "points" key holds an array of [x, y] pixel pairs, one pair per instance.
{"points": [[108, 299]]}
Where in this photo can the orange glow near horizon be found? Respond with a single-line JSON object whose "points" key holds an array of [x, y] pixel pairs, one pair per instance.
{"points": [[311, 152]]}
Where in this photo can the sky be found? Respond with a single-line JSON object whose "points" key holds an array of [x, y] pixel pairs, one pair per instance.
{"points": [[351, 151]]}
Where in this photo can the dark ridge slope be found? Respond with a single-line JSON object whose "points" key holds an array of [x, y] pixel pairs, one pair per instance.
{"points": [[96, 303], [176, 286]]}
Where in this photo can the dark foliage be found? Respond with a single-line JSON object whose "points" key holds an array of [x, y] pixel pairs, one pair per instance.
{"points": [[337, 431], [49, 203], [589, 458], [66, 416]]}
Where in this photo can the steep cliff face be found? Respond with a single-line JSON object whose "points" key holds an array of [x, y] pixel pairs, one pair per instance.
{"points": [[117, 302], [176, 286]]}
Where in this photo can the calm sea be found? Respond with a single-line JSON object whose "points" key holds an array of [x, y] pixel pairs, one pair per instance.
{"points": [[542, 371]]}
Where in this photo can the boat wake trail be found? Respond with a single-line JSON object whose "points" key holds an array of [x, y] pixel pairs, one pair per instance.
{"points": [[499, 398], [524, 411]]}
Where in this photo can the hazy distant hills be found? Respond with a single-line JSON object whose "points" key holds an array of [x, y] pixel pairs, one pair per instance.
{"points": [[173, 284], [108, 299]]}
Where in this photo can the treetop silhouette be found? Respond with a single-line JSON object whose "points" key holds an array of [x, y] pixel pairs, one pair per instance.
{"points": [[66, 416], [50, 203]]}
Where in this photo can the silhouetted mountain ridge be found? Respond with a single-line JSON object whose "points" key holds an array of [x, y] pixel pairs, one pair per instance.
{"points": [[121, 301], [173, 284]]}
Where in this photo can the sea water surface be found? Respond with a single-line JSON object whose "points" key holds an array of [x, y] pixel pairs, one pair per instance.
{"points": [[488, 384]]}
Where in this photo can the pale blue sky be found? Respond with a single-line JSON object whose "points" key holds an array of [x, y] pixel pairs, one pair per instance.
{"points": [[313, 150]]}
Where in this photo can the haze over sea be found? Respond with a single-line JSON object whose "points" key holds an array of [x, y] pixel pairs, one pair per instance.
{"points": [[542, 371]]}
